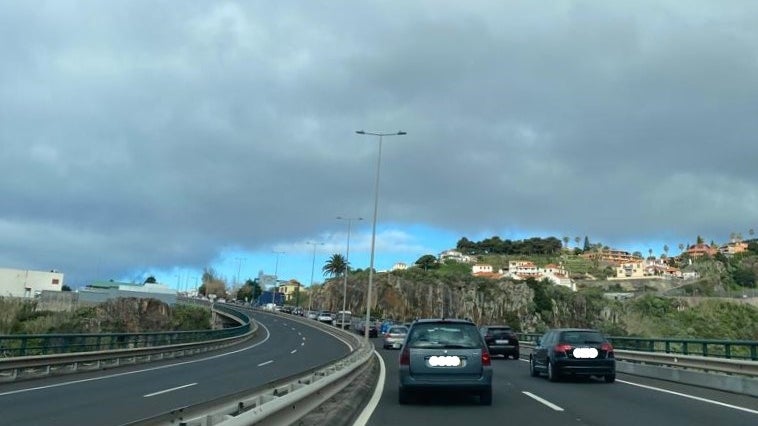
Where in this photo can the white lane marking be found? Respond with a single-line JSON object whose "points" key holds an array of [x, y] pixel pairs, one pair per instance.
{"points": [[265, 363], [302, 344], [127, 373], [542, 400], [168, 390], [696, 398], [293, 351], [374, 401]]}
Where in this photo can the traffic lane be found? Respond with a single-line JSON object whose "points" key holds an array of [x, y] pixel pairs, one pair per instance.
{"points": [[508, 404], [593, 401], [124, 397], [519, 397]]}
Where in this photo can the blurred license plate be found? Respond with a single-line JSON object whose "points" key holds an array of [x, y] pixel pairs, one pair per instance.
{"points": [[396, 345], [501, 342]]}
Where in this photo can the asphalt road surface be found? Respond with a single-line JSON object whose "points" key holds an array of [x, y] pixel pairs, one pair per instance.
{"points": [[519, 399], [113, 397]]}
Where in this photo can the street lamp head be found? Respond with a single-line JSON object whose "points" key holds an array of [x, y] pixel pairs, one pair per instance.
{"points": [[360, 132], [401, 133]]}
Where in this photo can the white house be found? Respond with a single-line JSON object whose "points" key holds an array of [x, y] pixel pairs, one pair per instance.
{"points": [[28, 283]]}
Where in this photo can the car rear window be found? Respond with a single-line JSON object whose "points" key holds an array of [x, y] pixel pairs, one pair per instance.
{"points": [[444, 335], [398, 330], [500, 330], [581, 337]]}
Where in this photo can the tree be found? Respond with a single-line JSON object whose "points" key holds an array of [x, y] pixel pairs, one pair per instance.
{"points": [[666, 249], [150, 280], [681, 247], [335, 266], [650, 252], [565, 242], [65, 287], [427, 261], [700, 240], [751, 232], [587, 245], [577, 240]]}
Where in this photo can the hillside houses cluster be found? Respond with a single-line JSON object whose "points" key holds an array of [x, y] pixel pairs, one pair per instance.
{"points": [[518, 270]]}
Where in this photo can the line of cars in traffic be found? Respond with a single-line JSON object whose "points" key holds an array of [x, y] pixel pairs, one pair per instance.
{"points": [[456, 355]]}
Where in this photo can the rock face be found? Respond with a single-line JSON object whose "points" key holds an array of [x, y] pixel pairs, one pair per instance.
{"points": [[408, 296], [130, 315]]}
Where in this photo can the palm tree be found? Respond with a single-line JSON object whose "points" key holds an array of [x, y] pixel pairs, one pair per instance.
{"points": [[335, 266], [681, 246], [751, 232], [577, 240], [666, 249]]}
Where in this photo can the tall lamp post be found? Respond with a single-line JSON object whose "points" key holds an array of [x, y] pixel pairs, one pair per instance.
{"points": [[313, 267], [373, 226], [347, 264]]}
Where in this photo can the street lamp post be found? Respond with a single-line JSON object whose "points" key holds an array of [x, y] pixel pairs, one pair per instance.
{"points": [[313, 267], [373, 226], [276, 266], [347, 264]]}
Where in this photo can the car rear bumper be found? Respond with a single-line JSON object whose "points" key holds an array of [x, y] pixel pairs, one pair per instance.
{"points": [[503, 349], [446, 382], [586, 367]]}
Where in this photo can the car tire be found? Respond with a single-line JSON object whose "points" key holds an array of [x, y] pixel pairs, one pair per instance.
{"points": [[532, 369], [403, 396], [552, 373], [610, 378], [485, 397], [516, 355]]}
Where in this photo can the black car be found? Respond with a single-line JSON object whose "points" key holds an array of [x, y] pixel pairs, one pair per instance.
{"points": [[500, 340], [360, 328], [573, 351]]}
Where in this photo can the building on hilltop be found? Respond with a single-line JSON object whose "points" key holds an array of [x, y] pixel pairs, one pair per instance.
{"points": [[100, 291], [520, 270], [27, 283], [456, 256], [733, 248], [701, 249], [609, 255]]}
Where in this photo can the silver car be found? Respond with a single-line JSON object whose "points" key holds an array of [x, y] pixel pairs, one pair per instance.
{"points": [[447, 355], [394, 337]]}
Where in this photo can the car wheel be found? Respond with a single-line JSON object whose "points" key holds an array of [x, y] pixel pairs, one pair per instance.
{"points": [[403, 396], [552, 374], [516, 355], [532, 370], [610, 378], [485, 398]]}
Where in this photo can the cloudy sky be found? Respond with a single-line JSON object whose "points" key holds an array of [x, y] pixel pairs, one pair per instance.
{"points": [[165, 137]]}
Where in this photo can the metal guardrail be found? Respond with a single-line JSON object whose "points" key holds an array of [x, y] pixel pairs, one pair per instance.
{"points": [[32, 366], [24, 345], [710, 348], [282, 401]]}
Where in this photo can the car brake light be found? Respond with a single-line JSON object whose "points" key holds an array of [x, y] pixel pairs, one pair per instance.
{"points": [[405, 357], [608, 348], [486, 358], [562, 347]]}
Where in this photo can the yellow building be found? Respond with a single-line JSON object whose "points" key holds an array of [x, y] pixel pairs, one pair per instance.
{"points": [[291, 290]]}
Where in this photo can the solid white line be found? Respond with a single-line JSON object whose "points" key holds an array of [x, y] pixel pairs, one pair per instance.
{"points": [[696, 398], [374, 401], [293, 351], [92, 379], [168, 390], [544, 401], [265, 363]]}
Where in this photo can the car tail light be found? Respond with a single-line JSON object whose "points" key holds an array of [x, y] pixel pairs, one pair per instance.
{"points": [[405, 356], [562, 347], [608, 348], [486, 361]]}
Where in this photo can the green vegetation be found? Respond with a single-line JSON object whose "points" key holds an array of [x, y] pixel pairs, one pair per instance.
{"points": [[115, 316]]}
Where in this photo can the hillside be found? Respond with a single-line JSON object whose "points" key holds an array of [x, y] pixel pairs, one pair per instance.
{"points": [[654, 311]]}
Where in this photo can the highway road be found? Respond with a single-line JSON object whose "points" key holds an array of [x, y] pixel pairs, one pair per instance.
{"points": [[521, 399], [113, 397]]}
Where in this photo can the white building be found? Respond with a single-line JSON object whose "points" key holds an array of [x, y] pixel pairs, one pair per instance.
{"points": [[399, 266], [28, 283], [456, 256]]}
